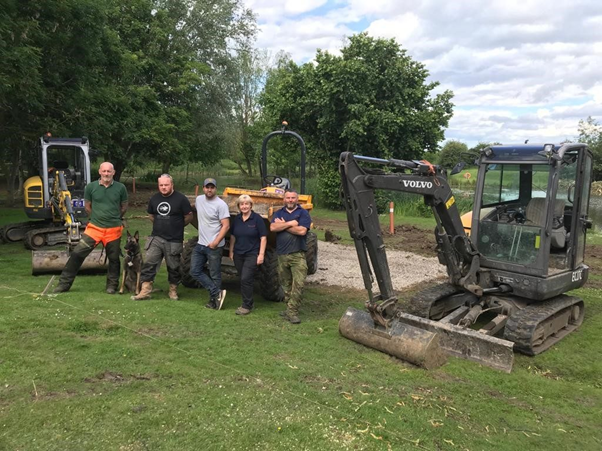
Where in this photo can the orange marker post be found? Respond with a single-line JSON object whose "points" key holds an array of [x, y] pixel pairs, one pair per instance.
{"points": [[391, 219]]}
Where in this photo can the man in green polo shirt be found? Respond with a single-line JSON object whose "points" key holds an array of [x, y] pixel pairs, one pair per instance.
{"points": [[106, 201]]}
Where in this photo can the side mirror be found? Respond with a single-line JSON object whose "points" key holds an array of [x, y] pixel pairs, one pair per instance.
{"points": [[458, 168]]}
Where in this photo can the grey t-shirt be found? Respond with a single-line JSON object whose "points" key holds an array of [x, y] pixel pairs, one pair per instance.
{"points": [[210, 214]]}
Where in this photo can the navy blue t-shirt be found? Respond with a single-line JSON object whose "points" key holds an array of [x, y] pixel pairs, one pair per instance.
{"points": [[286, 242], [248, 233]]}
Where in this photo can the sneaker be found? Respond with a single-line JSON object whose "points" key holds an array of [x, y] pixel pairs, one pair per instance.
{"points": [[111, 290], [212, 304], [60, 288], [220, 299], [242, 311]]}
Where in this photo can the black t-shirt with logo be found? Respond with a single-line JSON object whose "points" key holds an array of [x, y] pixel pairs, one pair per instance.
{"points": [[169, 215]]}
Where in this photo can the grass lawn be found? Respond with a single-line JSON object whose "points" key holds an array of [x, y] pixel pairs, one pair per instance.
{"points": [[85, 370]]}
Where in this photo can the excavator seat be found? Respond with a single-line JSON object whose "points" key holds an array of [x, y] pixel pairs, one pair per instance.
{"points": [[536, 215], [64, 166]]}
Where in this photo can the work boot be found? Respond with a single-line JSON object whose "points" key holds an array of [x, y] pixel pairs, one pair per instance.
{"points": [[293, 318], [242, 311], [173, 292], [290, 316], [61, 288], [145, 292]]}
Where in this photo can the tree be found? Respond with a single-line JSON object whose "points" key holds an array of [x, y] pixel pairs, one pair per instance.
{"points": [[144, 79], [173, 102], [590, 133], [47, 49], [252, 65], [452, 153], [373, 99]]}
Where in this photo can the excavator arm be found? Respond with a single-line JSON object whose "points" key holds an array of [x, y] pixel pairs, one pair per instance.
{"points": [[61, 204], [455, 249]]}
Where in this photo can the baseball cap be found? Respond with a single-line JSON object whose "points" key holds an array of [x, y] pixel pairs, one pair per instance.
{"points": [[210, 181]]}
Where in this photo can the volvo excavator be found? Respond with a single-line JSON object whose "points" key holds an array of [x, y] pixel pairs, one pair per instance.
{"points": [[507, 280], [54, 200]]}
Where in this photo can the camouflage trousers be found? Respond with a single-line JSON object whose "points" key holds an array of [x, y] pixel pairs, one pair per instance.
{"points": [[292, 269]]}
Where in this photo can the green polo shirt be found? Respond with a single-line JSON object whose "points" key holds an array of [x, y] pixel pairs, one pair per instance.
{"points": [[106, 203]]}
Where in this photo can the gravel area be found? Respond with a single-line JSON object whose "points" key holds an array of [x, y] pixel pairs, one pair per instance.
{"points": [[338, 266]]}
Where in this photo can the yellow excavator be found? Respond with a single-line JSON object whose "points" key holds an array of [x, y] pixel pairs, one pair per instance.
{"points": [[507, 282], [54, 201]]}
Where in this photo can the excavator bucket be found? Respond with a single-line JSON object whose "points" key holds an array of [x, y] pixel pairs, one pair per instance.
{"points": [[413, 344], [426, 343], [53, 262]]}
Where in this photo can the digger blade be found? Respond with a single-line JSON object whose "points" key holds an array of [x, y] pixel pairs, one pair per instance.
{"points": [[467, 343], [53, 262], [422, 341], [415, 345]]}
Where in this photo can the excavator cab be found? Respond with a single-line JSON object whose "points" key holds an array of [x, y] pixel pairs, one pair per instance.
{"points": [[531, 220], [506, 281], [58, 157]]}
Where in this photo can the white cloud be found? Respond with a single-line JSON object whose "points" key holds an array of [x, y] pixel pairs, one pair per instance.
{"points": [[400, 27]]}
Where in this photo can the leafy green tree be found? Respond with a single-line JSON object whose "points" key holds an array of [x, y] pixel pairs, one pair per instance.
{"points": [[590, 133], [144, 79], [452, 153], [373, 99], [176, 73], [252, 68], [47, 49]]}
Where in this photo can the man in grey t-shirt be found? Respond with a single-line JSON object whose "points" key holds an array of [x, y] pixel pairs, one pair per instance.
{"points": [[214, 222]]}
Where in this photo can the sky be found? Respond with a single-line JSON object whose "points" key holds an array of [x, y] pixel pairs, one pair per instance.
{"points": [[519, 69]]}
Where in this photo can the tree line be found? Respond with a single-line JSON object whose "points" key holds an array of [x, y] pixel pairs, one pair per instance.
{"points": [[178, 81], [143, 79], [175, 81]]}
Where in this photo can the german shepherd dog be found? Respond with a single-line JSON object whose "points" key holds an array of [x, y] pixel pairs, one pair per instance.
{"points": [[132, 264]]}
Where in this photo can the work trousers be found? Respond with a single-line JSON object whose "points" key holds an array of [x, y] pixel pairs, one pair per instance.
{"points": [[246, 266], [212, 281], [292, 269], [85, 246], [156, 249]]}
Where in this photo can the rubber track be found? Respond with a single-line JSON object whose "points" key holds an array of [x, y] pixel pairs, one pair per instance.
{"points": [[27, 241], [523, 323], [25, 225], [422, 302]]}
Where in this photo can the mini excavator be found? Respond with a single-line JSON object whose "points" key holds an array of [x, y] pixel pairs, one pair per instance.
{"points": [[54, 200], [507, 280]]}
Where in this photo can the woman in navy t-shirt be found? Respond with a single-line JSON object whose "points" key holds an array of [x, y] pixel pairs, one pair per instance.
{"points": [[248, 238]]}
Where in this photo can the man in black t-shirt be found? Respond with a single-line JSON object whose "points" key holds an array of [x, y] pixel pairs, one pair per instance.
{"points": [[170, 212]]}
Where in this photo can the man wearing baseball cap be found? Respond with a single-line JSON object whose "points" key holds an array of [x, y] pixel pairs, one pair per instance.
{"points": [[214, 221]]}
